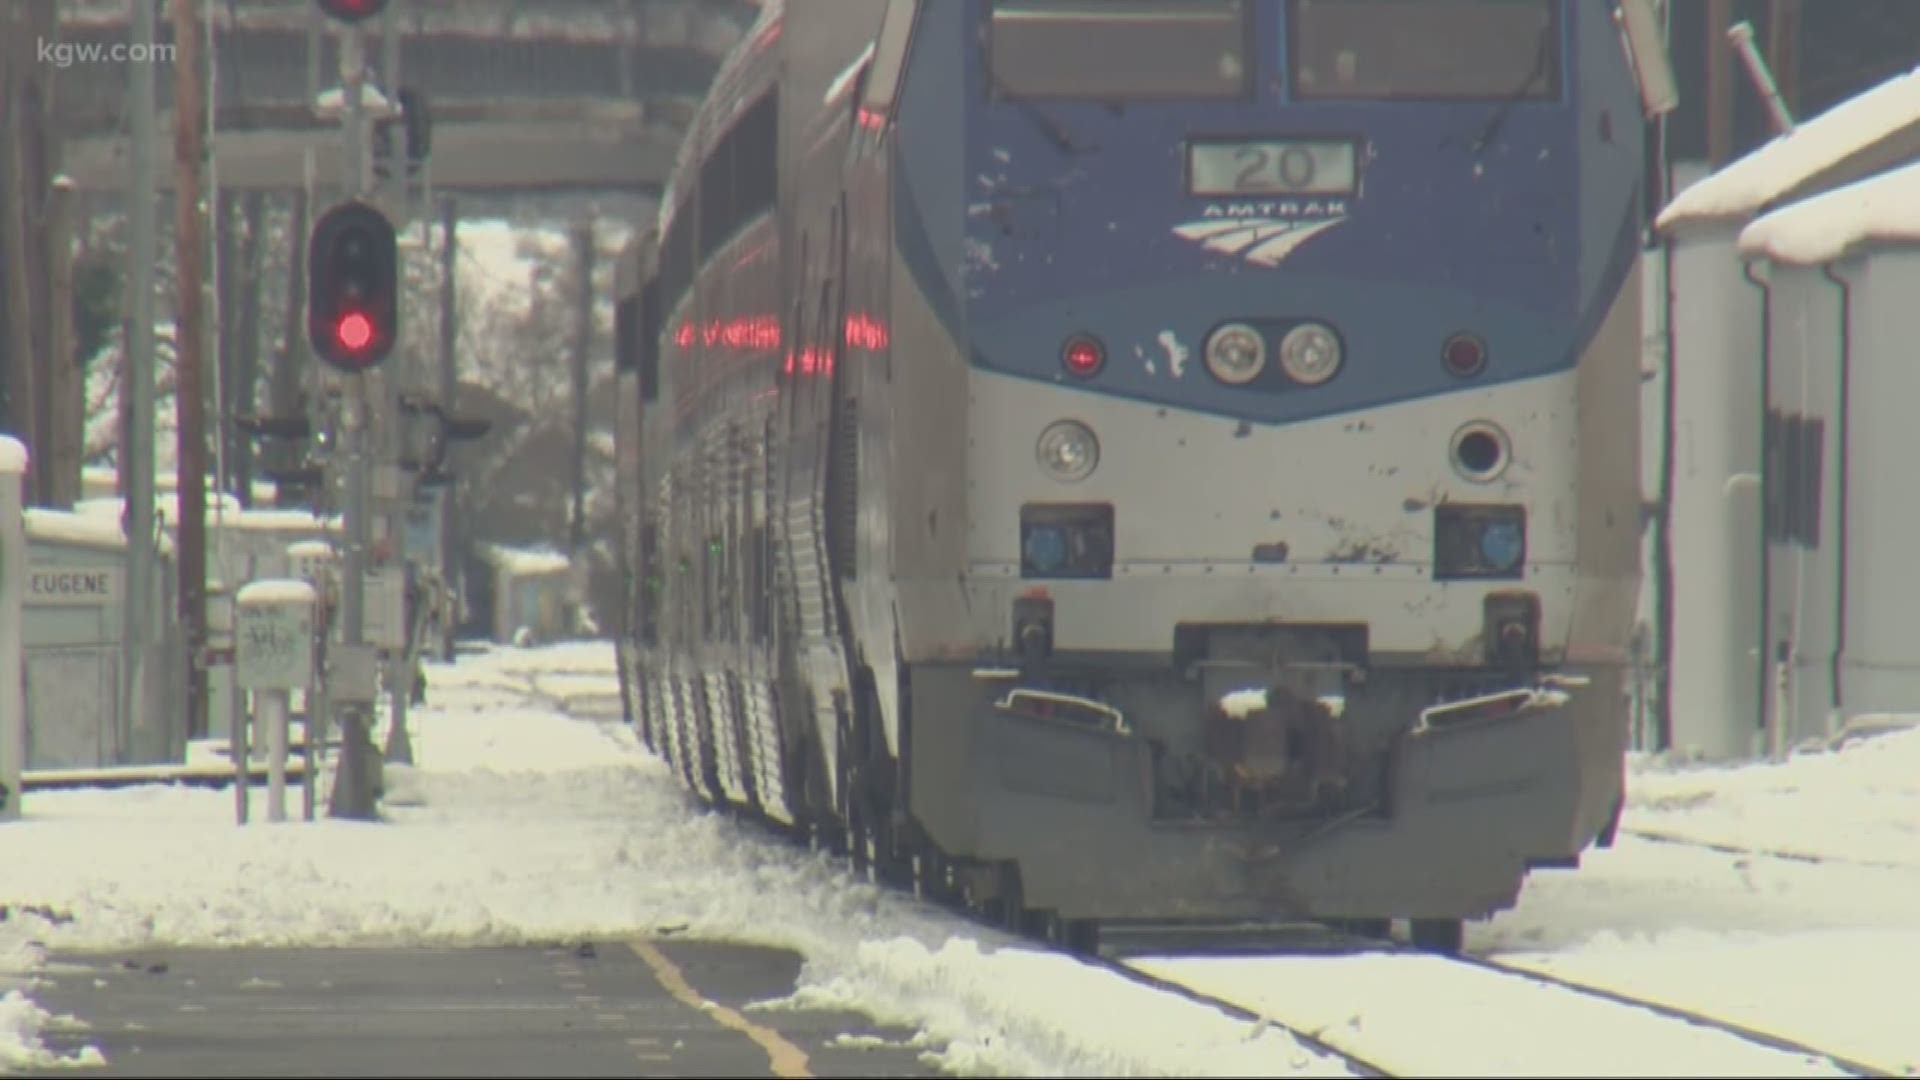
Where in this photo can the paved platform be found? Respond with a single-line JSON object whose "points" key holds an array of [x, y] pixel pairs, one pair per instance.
{"points": [[658, 1007]]}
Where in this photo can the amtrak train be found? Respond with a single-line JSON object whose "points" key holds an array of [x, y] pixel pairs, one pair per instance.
{"points": [[1122, 461]]}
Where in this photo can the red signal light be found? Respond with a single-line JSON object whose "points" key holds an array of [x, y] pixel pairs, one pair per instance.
{"points": [[1083, 355], [354, 331], [353, 273]]}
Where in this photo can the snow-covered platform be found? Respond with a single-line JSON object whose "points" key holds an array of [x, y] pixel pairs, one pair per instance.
{"points": [[1779, 896]]}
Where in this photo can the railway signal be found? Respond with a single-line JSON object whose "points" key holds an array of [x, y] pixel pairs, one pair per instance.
{"points": [[353, 309]]}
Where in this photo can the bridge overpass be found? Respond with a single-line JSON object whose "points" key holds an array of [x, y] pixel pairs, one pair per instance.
{"points": [[525, 96]]}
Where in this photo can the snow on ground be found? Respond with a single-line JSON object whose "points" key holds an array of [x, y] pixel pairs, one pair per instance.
{"points": [[1820, 952], [1728, 913], [520, 824], [1429, 1016]]}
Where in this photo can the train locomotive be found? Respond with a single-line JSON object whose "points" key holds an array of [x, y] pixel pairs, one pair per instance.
{"points": [[1121, 461]]}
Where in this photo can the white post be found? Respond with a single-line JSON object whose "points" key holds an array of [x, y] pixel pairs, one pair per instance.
{"points": [[312, 561], [307, 737], [220, 615], [13, 577], [273, 656], [271, 707], [239, 750]]}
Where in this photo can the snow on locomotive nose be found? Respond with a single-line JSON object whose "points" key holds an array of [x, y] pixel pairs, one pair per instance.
{"points": [[1276, 747]]}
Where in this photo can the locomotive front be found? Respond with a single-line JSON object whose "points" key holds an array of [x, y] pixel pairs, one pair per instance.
{"points": [[1301, 488]]}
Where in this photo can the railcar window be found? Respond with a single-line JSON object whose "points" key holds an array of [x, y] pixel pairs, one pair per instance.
{"points": [[649, 341], [740, 178], [676, 261], [1424, 49], [717, 216], [1119, 49], [756, 160], [626, 334]]}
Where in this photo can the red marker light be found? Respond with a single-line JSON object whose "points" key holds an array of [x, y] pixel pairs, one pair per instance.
{"points": [[354, 331], [1083, 356], [1464, 355]]}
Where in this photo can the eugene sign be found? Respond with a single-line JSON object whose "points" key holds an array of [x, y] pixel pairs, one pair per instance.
{"points": [[54, 585]]}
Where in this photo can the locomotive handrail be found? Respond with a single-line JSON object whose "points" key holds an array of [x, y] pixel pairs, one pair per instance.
{"points": [[1550, 692], [1115, 720]]}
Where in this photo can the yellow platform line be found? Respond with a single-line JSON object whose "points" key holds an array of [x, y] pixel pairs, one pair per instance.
{"points": [[787, 1059]]}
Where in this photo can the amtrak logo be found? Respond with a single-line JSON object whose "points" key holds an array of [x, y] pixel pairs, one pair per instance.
{"points": [[1263, 233]]}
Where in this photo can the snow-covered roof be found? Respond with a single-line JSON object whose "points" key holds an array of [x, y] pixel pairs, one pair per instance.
{"points": [[1885, 209], [526, 561], [224, 514], [276, 520], [275, 591], [332, 102], [1886, 119], [68, 527], [13, 456], [1240, 704]]}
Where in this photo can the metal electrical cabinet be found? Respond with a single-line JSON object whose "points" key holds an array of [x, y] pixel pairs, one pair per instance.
{"points": [[72, 634]]}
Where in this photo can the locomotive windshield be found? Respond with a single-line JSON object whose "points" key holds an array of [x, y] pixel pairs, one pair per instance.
{"points": [[1110, 49], [1413, 49]]}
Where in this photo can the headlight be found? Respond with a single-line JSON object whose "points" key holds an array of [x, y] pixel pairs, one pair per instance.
{"points": [[1310, 354], [1236, 354], [1480, 452], [1068, 451]]}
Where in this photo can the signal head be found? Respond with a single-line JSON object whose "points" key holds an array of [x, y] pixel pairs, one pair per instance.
{"points": [[353, 308]]}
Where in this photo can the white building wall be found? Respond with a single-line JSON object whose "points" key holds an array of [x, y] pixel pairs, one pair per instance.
{"points": [[1716, 498]]}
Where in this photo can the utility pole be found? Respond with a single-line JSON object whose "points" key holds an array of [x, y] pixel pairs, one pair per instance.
{"points": [[226, 283], [284, 386], [582, 342], [11, 358], [20, 119], [1719, 84], [136, 454], [66, 390], [189, 344], [452, 572], [246, 368], [59, 459], [400, 673], [353, 786]]}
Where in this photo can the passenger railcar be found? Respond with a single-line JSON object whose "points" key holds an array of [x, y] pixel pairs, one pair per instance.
{"points": [[1151, 459]]}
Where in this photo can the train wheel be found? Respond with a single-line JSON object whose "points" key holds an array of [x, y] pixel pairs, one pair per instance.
{"points": [[1443, 936], [933, 877], [993, 891], [1042, 923], [1080, 937], [1380, 929]]}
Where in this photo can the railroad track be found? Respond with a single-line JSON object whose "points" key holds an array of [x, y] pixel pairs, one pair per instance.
{"points": [[1352, 1019], [1849, 1065], [1657, 836], [1389, 1010]]}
